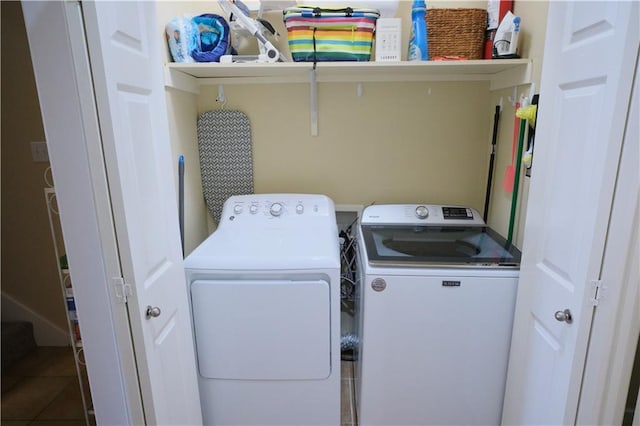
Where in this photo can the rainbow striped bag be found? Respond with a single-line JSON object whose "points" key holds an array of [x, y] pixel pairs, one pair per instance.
{"points": [[318, 34]]}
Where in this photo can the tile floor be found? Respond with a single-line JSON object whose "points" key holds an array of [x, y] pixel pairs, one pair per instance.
{"points": [[42, 389], [348, 395]]}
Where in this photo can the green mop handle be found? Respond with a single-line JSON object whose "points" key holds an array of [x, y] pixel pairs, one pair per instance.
{"points": [[516, 181]]}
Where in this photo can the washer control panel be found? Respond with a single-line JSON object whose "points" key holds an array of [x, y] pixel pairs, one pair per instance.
{"points": [[420, 214], [276, 206], [457, 213]]}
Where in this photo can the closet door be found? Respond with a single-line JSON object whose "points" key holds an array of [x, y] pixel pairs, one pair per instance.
{"points": [[124, 51], [587, 76]]}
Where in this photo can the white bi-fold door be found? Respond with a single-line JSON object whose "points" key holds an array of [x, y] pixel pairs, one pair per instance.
{"points": [[103, 104], [590, 55]]}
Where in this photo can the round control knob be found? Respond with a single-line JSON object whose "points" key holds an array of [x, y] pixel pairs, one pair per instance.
{"points": [[422, 212], [253, 209], [299, 209], [276, 209], [237, 209]]}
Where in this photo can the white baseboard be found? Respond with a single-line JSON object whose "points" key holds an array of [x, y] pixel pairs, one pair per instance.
{"points": [[44, 331]]}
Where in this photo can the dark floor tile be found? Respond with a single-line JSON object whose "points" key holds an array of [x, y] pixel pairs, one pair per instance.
{"points": [[43, 361], [9, 382], [57, 423], [62, 363], [66, 406], [346, 412], [347, 415], [346, 370], [16, 422], [30, 396]]}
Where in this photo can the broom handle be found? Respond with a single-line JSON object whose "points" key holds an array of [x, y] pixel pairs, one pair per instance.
{"points": [[494, 137], [181, 199], [516, 181]]}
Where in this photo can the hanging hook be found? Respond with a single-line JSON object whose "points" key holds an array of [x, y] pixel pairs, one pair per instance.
{"points": [[532, 92], [221, 97], [514, 97]]}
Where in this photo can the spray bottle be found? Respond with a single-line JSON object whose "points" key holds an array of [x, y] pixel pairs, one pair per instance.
{"points": [[418, 46]]}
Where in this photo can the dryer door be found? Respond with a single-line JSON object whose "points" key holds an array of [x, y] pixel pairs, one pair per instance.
{"points": [[262, 329]]}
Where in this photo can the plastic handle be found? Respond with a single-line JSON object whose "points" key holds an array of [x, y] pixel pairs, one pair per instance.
{"points": [[317, 12]]}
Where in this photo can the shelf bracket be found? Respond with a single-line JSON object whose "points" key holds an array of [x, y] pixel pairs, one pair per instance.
{"points": [[313, 83], [516, 76], [179, 80]]}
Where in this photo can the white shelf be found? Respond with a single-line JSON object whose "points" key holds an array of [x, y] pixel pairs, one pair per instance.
{"points": [[500, 73]]}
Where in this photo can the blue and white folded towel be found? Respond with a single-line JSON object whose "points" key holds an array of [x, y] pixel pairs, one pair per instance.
{"points": [[202, 38]]}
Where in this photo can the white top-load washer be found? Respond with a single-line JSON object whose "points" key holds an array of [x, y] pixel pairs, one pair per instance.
{"points": [[437, 296], [265, 303]]}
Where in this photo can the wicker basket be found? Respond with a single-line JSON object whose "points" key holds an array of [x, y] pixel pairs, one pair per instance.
{"points": [[456, 32]]}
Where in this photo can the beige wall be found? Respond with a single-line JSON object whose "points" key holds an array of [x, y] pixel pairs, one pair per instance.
{"points": [[29, 271], [398, 142], [534, 23], [181, 108]]}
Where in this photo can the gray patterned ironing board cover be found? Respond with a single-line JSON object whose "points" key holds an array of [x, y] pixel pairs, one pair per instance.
{"points": [[226, 161]]}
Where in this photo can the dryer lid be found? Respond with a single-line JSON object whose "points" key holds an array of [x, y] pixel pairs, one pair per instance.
{"points": [[268, 249]]}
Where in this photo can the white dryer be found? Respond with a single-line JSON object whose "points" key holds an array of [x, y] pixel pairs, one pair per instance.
{"points": [[436, 306], [265, 303]]}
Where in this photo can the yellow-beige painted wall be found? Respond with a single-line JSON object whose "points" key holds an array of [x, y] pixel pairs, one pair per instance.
{"points": [[534, 18], [29, 271], [401, 142]]}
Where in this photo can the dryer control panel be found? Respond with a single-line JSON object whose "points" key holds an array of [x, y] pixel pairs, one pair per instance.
{"points": [[271, 231], [269, 207]]}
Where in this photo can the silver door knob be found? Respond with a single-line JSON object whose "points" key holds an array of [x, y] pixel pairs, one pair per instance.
{"points": [[564, 316], [153, 311]]}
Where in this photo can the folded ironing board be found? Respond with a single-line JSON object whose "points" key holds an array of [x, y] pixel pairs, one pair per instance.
{"points": [[226, 162]]}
